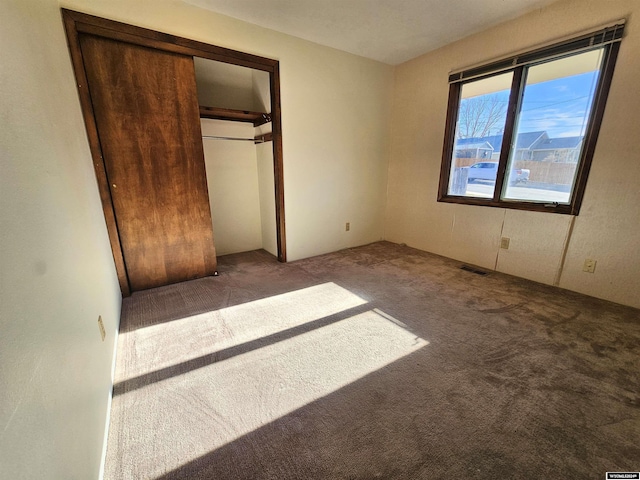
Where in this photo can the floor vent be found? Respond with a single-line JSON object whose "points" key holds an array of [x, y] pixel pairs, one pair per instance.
{"points": [[467, 268]]}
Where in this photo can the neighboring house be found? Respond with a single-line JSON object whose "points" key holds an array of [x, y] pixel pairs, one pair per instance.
{"points": [[561, 150], [496, 141], [535, 146], [472, 148], [527, 142], [478, 147]]}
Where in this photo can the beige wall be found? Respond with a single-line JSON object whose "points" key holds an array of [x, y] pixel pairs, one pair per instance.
{"points": [[56, 268], [264, 152], [335, 111], [607, 228], [232, 179], [231, 86]]}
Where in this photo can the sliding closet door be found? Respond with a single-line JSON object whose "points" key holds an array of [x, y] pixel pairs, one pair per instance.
{"points": [[146, 110]]}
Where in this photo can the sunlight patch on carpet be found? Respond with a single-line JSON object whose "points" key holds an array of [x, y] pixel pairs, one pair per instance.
{"points": [[174, 421], [166, 344]]}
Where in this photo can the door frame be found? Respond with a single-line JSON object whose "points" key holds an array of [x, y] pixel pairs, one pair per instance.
{"points": [[77, 22]]}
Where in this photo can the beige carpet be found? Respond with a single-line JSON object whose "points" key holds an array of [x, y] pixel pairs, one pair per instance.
{"points": [[375, 362]]}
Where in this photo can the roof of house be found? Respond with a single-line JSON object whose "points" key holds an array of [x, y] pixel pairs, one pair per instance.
{"points": [[472, 143], [559, 143], [495, 141], [525, 140]]}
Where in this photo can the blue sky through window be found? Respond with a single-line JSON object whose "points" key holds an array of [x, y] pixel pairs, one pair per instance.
{"points": [[560, 107]]}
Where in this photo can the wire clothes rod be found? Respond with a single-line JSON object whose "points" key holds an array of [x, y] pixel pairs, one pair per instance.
{"points": [[215, 137]]}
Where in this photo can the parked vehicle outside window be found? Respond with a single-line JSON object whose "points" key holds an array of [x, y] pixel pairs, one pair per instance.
{"points": [[489, 171]]}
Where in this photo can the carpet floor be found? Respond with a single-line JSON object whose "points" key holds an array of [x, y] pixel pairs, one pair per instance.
{"points": [[379, 361]]}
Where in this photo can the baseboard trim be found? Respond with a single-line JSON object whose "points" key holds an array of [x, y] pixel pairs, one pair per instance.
{"points": [[105, 440]]}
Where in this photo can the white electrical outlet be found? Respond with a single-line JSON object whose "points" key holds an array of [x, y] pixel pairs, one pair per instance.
{"points": [[347, 227], [504, 242], [589, 266]]}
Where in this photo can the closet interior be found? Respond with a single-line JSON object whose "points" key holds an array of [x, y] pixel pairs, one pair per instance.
{"points": [[235, 116]]}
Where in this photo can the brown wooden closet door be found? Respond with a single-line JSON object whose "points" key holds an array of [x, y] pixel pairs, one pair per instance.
{"points": [[146, 110]]}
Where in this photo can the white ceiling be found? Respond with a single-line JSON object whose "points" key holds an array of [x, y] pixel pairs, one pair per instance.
{"points": [[390, 31]]}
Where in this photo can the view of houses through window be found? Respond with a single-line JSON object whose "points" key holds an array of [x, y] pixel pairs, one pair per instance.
{"points": [[549, 130]]}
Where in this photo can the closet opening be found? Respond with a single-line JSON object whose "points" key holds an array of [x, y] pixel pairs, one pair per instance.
{"points": [[153, 198], [235, 116]]}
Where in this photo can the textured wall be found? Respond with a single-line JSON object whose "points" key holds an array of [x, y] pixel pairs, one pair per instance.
{"points": [[607, 228]]}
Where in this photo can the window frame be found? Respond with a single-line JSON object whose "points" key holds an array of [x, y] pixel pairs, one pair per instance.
{"points": [[609, 40]]}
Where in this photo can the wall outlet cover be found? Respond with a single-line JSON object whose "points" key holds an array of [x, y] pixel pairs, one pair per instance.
{"points": [[589, 266]]}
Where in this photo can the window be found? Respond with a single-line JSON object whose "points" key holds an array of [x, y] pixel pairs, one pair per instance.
{"points": [[521, 132]]}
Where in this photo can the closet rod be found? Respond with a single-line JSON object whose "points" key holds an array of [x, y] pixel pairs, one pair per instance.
{"points": [[215, 137]]}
